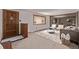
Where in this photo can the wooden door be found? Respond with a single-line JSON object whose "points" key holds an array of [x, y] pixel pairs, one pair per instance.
{"points": [[24, 30], [10, 23]]}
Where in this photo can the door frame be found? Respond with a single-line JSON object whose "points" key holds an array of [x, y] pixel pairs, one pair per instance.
{"points": [[3, 22]]}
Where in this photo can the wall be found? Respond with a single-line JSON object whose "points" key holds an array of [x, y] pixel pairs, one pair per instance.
{"points": [[77, 20], [27, 17], [1, 24]]}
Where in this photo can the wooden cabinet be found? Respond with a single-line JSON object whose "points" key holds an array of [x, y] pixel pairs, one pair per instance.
{"points": [[7, 45], [24, 30]]}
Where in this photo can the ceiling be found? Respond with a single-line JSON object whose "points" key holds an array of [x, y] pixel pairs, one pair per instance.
{"points": [[52, 11]]}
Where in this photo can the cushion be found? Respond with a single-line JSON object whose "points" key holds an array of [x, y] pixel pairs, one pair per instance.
{"points": [[53, 26], [60, 27]]}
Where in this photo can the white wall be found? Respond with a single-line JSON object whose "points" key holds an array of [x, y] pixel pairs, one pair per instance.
{"points": [[26, 17], [1, 24]]}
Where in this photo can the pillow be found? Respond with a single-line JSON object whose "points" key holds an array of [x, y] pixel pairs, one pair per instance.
{"points": [[60, 27], [53, 26]]}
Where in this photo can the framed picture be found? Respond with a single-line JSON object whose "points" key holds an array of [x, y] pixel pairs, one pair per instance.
{"points": [[39, 20]]}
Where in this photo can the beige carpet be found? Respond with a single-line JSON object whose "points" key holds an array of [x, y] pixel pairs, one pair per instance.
{"points": [[54, 37], [35, 41]]}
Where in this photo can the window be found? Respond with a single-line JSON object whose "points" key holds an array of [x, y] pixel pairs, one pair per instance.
{"points": [[39, 19]]}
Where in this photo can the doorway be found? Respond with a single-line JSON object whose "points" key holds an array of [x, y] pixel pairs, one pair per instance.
{"points": [[10, 23]]}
